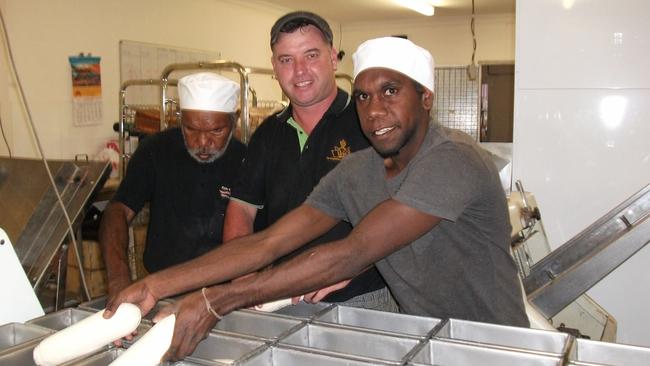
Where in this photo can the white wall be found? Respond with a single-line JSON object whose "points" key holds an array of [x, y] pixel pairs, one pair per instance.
{"points": [[448, 39], [580, 153], [44, 33]]}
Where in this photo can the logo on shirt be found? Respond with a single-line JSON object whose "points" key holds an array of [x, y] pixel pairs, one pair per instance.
{"points": [[340, 151], [224, 192]]}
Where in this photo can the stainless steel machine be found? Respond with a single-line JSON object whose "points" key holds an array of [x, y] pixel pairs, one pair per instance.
{"points": [[33, 217], [555, 282]]}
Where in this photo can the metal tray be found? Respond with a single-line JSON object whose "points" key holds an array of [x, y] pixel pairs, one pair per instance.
{"points": [[344, 342], [254, 324], [379, 320], [438, 352], [500, 336], [101, 359], [14, 334], [586, 352], [221, 349], [61, 319], [278, 356], [21, 355]]}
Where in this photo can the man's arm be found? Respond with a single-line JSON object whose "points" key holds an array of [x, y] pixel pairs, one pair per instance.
{"points": [[387, 228], [239, 220], [113, 240], [241, 256]]}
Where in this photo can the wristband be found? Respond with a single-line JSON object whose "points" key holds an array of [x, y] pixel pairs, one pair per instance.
{"points": [[209, 307]]}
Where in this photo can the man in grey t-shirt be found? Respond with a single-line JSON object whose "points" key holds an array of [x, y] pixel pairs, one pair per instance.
{"points": [[425, 202]]}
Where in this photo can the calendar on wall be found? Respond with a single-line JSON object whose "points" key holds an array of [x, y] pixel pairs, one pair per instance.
{"points": [[86, 90], [141, 60]]}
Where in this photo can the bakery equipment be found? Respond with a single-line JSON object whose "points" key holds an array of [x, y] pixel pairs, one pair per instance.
{"points": [[328, 334], [34, 220], [555, 282]]}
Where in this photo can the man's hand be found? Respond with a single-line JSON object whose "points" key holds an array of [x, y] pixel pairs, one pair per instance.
{"points": [[316, 296], [193, 323], [115, 286], [138, 294]]}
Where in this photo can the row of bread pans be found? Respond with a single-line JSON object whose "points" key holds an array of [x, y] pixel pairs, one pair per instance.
{"points": [[325, 334]]}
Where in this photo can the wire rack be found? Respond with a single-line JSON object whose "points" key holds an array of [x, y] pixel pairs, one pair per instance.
{"points": [[457, 99]]}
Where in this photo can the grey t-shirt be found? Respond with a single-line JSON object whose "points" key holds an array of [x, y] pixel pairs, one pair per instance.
{"points": [[460, 269]]}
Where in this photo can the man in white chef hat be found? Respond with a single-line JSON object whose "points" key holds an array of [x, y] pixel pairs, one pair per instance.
{"points": [[185, 175], [208, 104], [426, 204]]}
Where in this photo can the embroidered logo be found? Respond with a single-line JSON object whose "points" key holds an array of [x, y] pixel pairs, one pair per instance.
{"points": [[224, 192], [340, 151]]}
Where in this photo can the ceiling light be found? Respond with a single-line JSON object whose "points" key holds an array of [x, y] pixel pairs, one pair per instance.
{"points": [[423, 7]]}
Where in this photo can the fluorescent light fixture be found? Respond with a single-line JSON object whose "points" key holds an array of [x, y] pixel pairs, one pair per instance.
{"points": [[423, 7]]}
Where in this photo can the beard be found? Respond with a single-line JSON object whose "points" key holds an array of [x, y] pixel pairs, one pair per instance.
{"points": [[214, 153]]}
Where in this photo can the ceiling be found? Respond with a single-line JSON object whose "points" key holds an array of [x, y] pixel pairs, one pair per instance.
{"points": [[349, 11]]}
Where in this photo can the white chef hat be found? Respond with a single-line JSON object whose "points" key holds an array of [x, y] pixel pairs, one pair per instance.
{"points": [[397, 54], [207, 91]]}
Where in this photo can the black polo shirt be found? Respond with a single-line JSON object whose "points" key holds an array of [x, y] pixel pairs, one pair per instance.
{"points": [[277, 176], [187, 199]]}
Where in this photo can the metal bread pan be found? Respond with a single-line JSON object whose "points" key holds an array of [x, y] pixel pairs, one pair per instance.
{"points": [[142, 328], [224, 349], [533, 340], [61, 319], [21, 355], [587, 352], [255, 324], [343, 341], [437, 352], [278, 356], [379, 320], [100, 359], [14, 334], [94, 305], [105, 358]]}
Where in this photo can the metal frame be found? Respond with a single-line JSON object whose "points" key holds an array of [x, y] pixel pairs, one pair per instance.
{"points": [[123, 115], [212, 65], [572, 269]]}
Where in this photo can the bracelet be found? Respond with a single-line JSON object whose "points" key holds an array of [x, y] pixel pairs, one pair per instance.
{"points": [[209, 307]]}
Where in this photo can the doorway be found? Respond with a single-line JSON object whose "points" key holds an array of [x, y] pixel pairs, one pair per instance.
{"points": [[497, 102]]}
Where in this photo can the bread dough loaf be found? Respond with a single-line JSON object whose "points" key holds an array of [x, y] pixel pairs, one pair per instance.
{"points": [[150, 348], [275, 305], [87, 336]]}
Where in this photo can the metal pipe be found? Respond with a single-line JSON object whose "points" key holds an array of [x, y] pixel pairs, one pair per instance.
{"points": [[122, 123]]}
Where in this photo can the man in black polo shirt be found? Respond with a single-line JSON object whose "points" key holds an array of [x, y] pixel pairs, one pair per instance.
{"points": [[185, 174], [291, 151]]}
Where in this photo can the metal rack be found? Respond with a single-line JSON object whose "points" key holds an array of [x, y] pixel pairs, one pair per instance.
{"points": [[243, 72], [125, 109]]}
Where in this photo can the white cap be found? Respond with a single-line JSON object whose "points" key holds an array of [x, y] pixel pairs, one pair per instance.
{"points": [[397, 54], [207, 91]]}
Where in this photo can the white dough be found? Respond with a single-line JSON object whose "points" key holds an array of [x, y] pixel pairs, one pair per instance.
{"points": [[149, 349], [274, 305], [87, 336]]}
